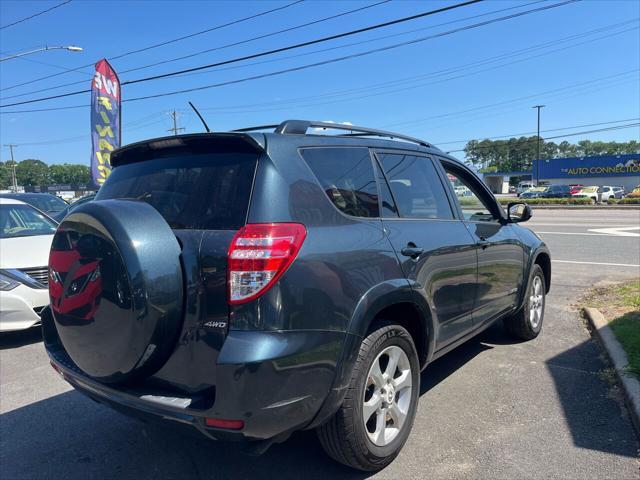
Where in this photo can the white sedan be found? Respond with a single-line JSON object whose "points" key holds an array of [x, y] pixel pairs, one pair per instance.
{"points": [[25, 239]]}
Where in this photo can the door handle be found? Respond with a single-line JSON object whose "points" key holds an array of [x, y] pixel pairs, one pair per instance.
{"points": [[483, 243], [413, 251]]}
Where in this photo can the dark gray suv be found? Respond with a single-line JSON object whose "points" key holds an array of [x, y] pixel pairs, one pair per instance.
{"points": [[251, 284]]}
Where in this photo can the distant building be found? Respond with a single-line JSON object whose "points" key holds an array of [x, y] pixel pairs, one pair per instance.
{"points": [[66, 191], [614, 170]]}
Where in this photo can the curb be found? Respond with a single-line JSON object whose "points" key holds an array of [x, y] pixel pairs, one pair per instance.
{"points": [[586, 207], [630, 385], [583, 207]]}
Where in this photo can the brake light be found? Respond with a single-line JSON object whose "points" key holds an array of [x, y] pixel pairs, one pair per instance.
{"points": [[258, 255]]}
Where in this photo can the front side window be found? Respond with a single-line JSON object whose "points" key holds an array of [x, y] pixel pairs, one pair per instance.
{"points": [[469, 195], [416, 186], [347, 177], [22, 220]]}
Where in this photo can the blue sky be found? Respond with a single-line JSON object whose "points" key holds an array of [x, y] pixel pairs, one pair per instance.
{"points": [[580, 60]]}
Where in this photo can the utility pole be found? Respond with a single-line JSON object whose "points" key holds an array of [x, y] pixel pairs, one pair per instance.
{"points": [[14, 180], [175, 128], [538, 107]]}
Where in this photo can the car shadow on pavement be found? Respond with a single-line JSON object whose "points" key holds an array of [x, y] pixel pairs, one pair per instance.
{"points": [[70, 436], [592, 403], [20, 338], [445, 366]]}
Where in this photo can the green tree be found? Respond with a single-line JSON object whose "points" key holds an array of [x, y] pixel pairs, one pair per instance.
{"points": [[517, 154], [5, 175], [67, 173], [32, 172]]}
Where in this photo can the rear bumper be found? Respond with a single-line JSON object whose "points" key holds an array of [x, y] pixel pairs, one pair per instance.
{"points": [[275, 382]]}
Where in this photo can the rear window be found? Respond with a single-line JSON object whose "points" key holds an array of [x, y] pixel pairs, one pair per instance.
{"points": [[209, 192], [347, 177]]}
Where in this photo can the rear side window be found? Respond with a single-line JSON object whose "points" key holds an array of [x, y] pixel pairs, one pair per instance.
{"points": [[347, 177], [416, 186], [208, 192]]}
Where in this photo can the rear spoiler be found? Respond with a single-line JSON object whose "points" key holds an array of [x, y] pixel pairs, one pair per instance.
{"points": [[194, 144]]}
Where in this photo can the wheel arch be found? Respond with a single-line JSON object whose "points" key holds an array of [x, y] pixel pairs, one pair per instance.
{"points": [[544, 260], [396, 301], [393, 297]]}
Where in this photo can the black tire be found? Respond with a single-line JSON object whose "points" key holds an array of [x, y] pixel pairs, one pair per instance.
{"points": [[345, 437], [520, 325]]}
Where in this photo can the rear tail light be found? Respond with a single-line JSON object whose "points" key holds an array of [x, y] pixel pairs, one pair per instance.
{"points": [[259, 254]]}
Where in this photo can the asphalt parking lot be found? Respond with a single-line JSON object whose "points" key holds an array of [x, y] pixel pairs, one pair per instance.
{"points": [[490, 409]]}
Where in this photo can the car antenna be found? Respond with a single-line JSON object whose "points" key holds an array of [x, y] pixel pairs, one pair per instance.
{"points": [[206, 127]]}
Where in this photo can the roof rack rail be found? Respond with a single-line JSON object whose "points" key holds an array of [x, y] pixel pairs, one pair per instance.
{"points": [[251, 129], [301, 127]]}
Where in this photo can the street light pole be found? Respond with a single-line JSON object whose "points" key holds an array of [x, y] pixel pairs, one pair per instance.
{"points": [[70, 48], [538, 107]]}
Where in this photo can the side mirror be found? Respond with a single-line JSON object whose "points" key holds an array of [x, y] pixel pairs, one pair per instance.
{"points": [[518, 212]]}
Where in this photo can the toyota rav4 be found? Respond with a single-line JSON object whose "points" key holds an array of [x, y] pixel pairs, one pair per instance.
{"points": [[253, 283]]}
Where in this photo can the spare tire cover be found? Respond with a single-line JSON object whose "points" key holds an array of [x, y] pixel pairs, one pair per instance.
{"points": [[116, 289]]}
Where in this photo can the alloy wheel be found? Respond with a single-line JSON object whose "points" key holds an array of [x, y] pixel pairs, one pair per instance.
{"points": [[536, 303], [387, 396]]}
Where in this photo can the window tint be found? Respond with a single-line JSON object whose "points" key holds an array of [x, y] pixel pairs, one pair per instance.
{"points": [[469, 196], [192, 191], [347, 177], [415, 184]]}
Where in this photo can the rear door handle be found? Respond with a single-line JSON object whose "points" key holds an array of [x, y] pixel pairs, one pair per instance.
{"points": [[413, 252], [483, 243]]}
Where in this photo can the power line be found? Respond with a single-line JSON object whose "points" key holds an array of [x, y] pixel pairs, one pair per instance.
{"points": [[512, 100], [312, 52], [184, 37], [341, 93], [514, 135], [303, 67], [279, 105], [291, 56], [259, 37], [269, 52], [561, 97], [618, 127], [34, 15]]}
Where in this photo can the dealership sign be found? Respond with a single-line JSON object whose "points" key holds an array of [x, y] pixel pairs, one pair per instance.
{"points": [[603, 166]]}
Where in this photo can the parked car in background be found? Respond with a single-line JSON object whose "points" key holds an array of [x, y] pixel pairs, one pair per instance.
{"points": [[45, 202], [575, 188], [250, 285], [618, 192], [635, 193], [81, 201], [549, 191], [25, 239], [523, 187], [512, 189], [591, 191], [607, 192]]}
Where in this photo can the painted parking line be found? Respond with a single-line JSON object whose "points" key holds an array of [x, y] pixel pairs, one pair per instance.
{"points": [[591, 225], [577, 233], [620, 231], [597, 263]]}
